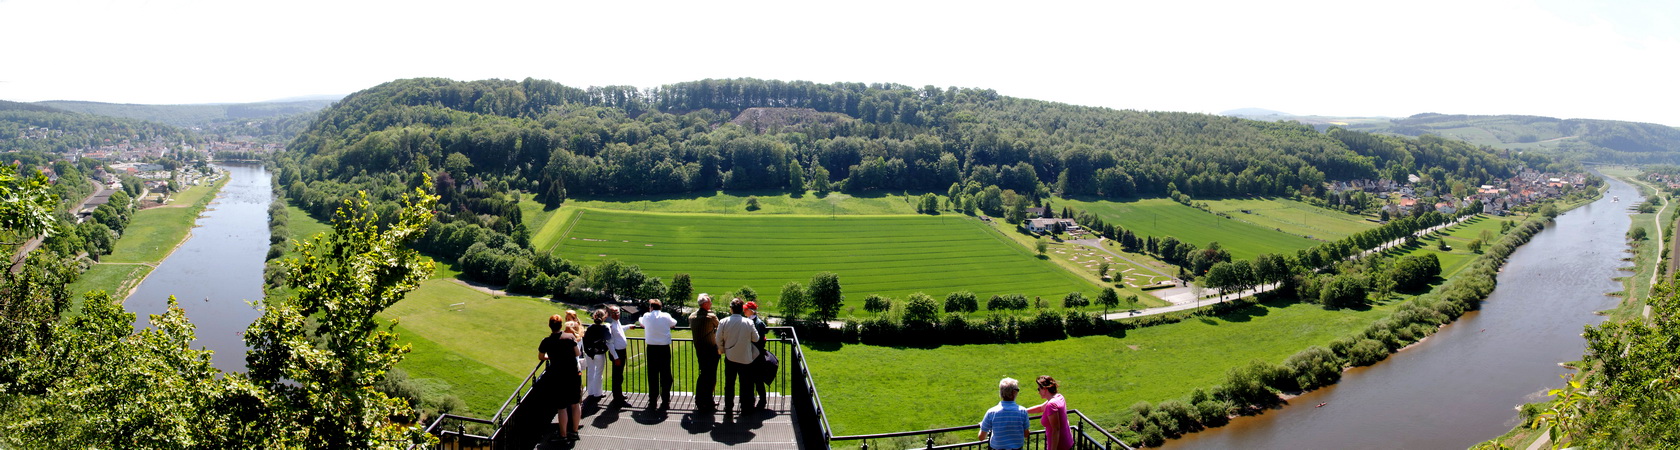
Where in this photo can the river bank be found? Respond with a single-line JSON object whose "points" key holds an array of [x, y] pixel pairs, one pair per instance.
{"points": [[216, 273], [150, 237], [1463, 381]]}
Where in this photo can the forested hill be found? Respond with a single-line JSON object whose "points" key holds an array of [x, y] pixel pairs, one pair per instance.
{"points": [[37, 128], [200, 115], [558, 140], [1587, 139]]}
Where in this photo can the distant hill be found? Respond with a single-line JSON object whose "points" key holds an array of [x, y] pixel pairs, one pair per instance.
{"points": [[201, 115], [1586, 139], [1253, 112], [17, 106]]}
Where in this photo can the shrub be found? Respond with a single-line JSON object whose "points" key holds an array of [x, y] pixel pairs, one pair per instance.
{"points": [[1075, 300], [1184, 417], [1314, 367], [961, 301], [1213, 413], [849, 332], [1082, 324], [1046, 326], [1367, 352], [1007, 302], [876, 304], [1167, 423], [1151, 436], [920, 311]]}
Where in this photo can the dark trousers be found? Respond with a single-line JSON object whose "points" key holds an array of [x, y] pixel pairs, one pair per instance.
{"points": [[731, 371], [707, 382], [618, 375], [659, 374]]}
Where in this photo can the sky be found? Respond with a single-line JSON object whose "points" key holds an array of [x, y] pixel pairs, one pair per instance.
{"points": [[1561, 58]]}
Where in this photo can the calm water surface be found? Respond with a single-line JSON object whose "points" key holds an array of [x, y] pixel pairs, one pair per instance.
{"points": [[218, 270], [1460, 386]]}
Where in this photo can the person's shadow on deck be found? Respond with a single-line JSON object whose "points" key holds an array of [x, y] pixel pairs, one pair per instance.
{"points": [[650, 416], [738, 429], [603, 416]]}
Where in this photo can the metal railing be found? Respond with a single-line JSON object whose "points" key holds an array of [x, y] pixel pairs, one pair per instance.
{"points": [[457, 438], [1082, 437]]}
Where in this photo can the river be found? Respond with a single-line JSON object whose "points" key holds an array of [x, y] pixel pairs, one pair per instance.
{"points": [[217, 272], [1460, 386]]}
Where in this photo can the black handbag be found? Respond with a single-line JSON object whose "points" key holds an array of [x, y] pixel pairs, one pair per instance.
{"points": [[766, 364]]}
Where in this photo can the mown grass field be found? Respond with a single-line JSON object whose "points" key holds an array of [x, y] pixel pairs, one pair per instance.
{"points": [[1161, 217], [1100, 375], [114, 279], [887, 255], [1458, 239], [769, 202], [1293, 217], [472, 344], [153, 233]]}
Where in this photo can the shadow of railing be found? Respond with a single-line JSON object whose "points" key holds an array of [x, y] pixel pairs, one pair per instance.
{"points": [[1087, 435]]}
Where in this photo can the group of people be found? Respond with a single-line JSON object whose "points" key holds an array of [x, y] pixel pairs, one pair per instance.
{"points": [[1007, 425], [573, 352]]}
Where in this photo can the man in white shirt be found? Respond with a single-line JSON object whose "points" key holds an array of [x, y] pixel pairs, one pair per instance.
{"points": [[735, 338], [618, 344], [658, 326]]}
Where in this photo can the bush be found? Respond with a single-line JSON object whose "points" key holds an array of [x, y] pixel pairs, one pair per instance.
{"points": [[1367, 352], [1075, 300], [1082, 324], [876, 303], [961, 301], [1151, 436], [1213, 413], [1007, 302], [1184, 417], [849, 332], [1314, 367], [1046, 326], [920, 311]]}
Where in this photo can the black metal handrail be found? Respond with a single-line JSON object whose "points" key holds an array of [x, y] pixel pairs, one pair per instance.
{"points": [[1035, 439], [456, 436], [1085, 423], [810, 383], [513, 401]]}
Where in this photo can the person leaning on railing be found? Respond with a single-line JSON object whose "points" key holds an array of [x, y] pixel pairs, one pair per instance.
{"points": [[735, 337], [597, 349], [1058, 434], [658, 326], [619, 346], [704, 325], [1005, 426]]}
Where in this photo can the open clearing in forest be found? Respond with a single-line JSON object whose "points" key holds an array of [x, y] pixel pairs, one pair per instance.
{"points": [[1161, 217], [887, 255]]}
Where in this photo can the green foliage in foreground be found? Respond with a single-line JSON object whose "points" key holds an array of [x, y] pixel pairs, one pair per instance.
{"points": [[91, 380], [1628, 396], [892, 256]]}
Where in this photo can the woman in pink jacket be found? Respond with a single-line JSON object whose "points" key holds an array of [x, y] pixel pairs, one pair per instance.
{"points": [[1058, 434]]}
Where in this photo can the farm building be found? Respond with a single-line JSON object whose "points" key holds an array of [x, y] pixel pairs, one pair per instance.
{"points": [[1051, 225]]}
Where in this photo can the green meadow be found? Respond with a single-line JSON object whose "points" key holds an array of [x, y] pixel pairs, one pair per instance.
{"points": [[114, 279], [1162, 217], [153, 233], [1100, 375], [1293, 217], [887, 255]]}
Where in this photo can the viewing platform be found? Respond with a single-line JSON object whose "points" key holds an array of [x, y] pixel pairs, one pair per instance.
{"points": [[793, 416]]}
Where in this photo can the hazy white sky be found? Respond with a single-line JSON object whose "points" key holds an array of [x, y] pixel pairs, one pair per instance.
{"points": [[1561, 58]]}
